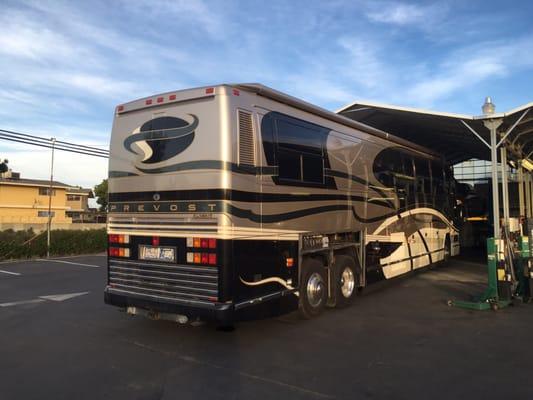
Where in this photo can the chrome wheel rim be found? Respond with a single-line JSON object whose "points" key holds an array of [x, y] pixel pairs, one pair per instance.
{"points": [[315, 289], [347, 282]]}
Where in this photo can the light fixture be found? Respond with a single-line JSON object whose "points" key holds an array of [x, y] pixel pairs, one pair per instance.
{"points": [[488, 107]]}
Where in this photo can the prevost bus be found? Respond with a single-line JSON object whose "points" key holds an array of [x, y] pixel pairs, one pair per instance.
{"points": [[232, 200]]}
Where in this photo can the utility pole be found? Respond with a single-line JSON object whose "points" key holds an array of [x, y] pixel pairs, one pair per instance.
{"points": [[49, 227]]}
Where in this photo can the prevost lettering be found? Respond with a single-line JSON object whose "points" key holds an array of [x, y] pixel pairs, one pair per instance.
{"points": [[201, 207]]}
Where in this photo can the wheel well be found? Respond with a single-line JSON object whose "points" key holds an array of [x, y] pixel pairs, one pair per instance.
{"points": [[351, 252]]}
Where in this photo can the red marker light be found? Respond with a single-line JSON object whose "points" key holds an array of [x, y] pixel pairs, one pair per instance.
{"points": [[205, 258], [236, 92], [204, 243], [148, 102], [172, 97], [155, 241], [160, 99], [212, 259], [212, 243], [210, 90], [120, 108]]}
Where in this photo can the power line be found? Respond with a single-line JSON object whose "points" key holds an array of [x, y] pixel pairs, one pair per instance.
{"points": [[19, 135], [49, 146], [49, 143]]}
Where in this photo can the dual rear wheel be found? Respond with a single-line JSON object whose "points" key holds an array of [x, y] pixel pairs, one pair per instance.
{"points": [[314, 294]]}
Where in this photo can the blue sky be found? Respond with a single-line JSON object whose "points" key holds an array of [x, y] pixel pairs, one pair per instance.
{"points": [[64, 66]]}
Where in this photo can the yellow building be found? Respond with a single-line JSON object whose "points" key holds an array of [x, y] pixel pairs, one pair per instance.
{"points": [[78, 204], [26, 200]]}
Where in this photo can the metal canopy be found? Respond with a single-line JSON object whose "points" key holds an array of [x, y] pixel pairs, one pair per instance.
{"points": [[461, 137], [450, 134]]}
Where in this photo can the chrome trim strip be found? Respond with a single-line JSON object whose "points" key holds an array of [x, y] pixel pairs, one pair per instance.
{"points": [[162, 291], [162, 279], [170, 289], [199, 268], [151, 271], [172, 299]]}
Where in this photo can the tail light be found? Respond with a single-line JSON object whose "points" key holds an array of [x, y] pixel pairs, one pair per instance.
{"points": [[202, 251], [119, 252], [201, 243], [120, 239], [116, 251]]}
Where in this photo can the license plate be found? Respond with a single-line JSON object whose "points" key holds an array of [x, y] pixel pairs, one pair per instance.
{"points": [[157, 253]]}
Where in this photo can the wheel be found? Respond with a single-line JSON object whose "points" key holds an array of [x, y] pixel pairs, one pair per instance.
{"points": [[345, 276], [313, 289], [447, 251]]}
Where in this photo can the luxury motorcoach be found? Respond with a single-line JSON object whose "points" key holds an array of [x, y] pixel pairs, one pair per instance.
{"points": [[231, 200]]}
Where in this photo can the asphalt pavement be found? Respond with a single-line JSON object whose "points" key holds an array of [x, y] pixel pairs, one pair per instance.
{"points": [[400, 340]]}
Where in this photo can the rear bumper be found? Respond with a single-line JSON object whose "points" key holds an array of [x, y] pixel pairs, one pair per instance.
{"points": [[212, 311]]}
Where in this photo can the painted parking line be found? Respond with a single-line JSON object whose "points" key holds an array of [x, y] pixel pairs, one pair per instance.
{"points": [[63, 297], [68, 262], [42, 299], [18, 303], [81, 256], [9, 272]]}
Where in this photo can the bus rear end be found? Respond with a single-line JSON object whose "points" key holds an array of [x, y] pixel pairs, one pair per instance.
{"points": [[167, 178]]}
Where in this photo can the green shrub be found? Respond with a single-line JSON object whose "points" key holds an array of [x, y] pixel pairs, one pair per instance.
{"points": [[25, 244]]}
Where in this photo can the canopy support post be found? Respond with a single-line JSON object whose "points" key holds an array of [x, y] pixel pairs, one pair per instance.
{"points": [[492, 125], [521, 203], [528, 194], [477, 134], [505, 187], [512, 127]]}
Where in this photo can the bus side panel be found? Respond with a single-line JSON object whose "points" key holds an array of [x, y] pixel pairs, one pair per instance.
{"points": [[264, 267]]}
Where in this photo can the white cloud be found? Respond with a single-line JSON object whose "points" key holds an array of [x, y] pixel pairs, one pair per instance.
{"points": [[470, 66], [196, 13], [100, 85], [363, 65], [403, 14]]}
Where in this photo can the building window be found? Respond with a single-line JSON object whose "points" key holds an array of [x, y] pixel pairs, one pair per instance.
{"points": [[73, 197], [45, 213], [44, 191]]}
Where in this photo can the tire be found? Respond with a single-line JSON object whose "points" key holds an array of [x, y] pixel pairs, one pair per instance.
{"points": [[313, 289], [345, 280]]}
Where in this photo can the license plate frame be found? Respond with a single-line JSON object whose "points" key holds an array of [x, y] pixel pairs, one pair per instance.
{"points": [[167, 254]]}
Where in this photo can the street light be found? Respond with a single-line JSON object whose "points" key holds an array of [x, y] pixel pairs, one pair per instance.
{"points": [[488, 107]]}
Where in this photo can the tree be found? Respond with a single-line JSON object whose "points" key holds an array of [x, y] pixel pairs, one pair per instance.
{"points": [[100, 191], [3, 166]]}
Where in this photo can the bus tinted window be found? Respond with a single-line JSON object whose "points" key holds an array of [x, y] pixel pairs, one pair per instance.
{"points": [[385, 165], [297, 137], [289, 164], [300, 151]]}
